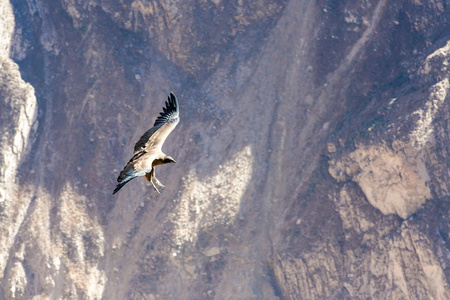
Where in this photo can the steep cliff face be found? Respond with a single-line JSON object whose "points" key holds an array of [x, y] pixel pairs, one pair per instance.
{"points": [[312, 149]]}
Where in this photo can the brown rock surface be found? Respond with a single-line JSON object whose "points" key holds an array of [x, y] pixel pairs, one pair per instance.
{"points": [[312, 149]]}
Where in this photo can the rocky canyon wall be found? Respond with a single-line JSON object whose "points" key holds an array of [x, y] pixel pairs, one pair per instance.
{"points": [[312, 149]]}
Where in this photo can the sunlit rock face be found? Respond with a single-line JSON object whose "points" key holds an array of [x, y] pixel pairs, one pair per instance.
{"points": [[391, 181], [312, 151]]}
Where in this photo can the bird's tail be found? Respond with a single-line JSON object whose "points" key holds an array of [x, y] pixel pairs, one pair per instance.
{"points": [[121, 184]]}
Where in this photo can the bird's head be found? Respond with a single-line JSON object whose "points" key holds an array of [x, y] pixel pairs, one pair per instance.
{"points": [[169, 159]]}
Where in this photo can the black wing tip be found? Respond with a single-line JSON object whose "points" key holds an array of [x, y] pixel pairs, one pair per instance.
{"points": [[171, 103], [173, 100], [171, 107]]}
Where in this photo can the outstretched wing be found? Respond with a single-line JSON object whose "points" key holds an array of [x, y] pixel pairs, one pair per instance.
{"points": [[164, 124]]}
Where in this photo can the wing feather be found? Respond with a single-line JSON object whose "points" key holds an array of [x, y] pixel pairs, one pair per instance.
{"points": [[163, 126]]}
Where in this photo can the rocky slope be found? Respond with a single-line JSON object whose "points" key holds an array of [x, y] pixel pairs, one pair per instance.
{"points": [[312, 149]]}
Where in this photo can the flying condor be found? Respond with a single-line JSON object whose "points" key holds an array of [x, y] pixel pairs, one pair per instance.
{"points": [[147, 151]]}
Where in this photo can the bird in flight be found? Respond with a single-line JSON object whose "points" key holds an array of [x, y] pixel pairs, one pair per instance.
{"points": [[147, 151]]}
